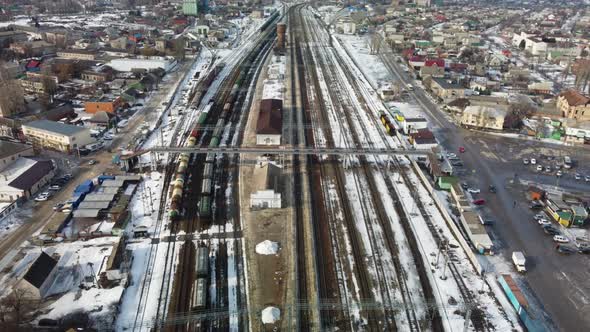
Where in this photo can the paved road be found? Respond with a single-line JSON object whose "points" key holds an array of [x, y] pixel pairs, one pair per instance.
{"points": [[559, 282]]}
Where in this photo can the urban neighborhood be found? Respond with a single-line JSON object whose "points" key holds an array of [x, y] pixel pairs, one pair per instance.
{"points": [[265, 165]]}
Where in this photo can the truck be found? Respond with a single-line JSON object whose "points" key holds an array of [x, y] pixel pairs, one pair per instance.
{"points": [[519, 261]]}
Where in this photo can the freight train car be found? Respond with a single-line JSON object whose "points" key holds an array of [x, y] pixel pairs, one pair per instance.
{"points": [[388, 124], [200, 294], [202, 262]]}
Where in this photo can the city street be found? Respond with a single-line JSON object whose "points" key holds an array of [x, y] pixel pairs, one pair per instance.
{"points": [[492, 159]]}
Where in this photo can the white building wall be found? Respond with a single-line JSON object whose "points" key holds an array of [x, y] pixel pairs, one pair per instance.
{"points": [[268, 139], [265, 199]]}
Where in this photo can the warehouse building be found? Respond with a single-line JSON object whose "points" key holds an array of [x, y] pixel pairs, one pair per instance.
{"points": [[266, 186], [56, 135]]}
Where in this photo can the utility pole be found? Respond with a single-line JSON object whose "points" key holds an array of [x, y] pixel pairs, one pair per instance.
{"points": [[467, 317]]}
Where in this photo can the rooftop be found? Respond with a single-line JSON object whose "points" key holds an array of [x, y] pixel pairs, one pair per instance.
{"points": [[8, 149], [574, 98], [55, 127]]}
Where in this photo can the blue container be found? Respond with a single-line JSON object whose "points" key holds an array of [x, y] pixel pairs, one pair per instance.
{"points": [[101, 178]]}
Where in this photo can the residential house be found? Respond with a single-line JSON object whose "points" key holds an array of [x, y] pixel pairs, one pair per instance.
{"points": [[10, 152], [446, 90], [96, 76], [56, 135], [483, 117], [107, 104], [346, 25], [433, 67], [574, 105]]}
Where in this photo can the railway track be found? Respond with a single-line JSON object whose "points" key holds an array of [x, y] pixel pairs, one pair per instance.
{"points": [[179, 300], [332, 170]]}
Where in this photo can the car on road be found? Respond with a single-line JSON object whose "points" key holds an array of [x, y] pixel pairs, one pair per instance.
{"points": [[525, 161], [533, 161], [537, 204], [565, 250], [560, 239], [457, 163], [462, 149], [473, 190], [92, 162], [492, 188], [551, 230], [58, 206], [41, 197], [578, 176], [559, 174], [539, 168], [543, 222], [479, 201], [539, 216]]}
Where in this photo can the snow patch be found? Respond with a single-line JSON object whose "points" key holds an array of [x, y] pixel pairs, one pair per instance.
{"points": [[267, 247], [270, 315]]}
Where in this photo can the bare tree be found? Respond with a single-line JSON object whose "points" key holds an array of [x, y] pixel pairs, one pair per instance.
{"points": [[375, 43], [15, 308], [11, 98]]}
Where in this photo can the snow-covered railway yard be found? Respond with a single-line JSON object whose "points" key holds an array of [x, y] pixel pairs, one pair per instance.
{"points": [[351, 119]]}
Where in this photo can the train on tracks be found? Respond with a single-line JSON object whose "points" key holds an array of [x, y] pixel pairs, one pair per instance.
{"points": [[209, 115], [199, 298], [388, 124]]}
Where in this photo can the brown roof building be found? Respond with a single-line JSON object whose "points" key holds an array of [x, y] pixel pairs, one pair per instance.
{"points": [[574, 105], [270, 122]]}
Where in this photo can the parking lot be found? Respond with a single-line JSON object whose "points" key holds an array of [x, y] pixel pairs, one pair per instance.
{"points": [[558, 279]]}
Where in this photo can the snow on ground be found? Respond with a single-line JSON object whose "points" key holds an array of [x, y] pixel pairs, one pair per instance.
{"points": [[267, 247], [502, 318], [15, 219], [372, 67]]}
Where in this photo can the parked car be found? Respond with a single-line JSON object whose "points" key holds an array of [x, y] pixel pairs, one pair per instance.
{"points": [[565, 250], [584, 250], [492, 188], [539, 168], [58, 206], [451, 155], [92, 162], [55, 187], [457, 163], [536, 205], [462, 149], [473, 190], [525, 161], [587, 178], [551, 230], [533, 161], [559, 174], [543, 222], [560, 239], [479, 201], [547, 169], [464, 185], [578, 176], [539, 216], [41, 198]]}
